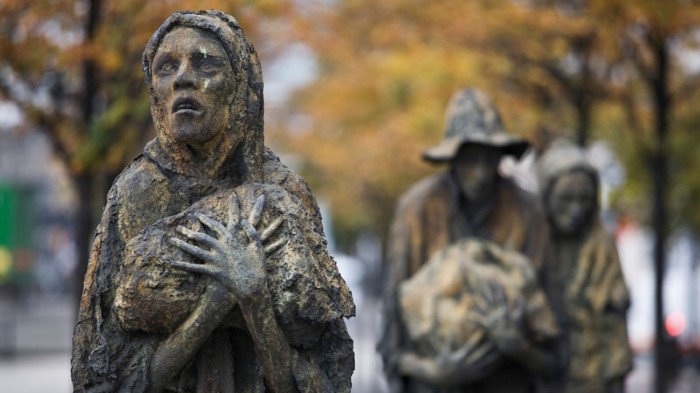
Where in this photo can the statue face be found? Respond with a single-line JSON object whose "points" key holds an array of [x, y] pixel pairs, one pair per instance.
{"points": [[475, 169], [571, 203], [193, 83]]}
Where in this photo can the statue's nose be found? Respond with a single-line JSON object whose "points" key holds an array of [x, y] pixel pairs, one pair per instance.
{"points": [[186, 77]]}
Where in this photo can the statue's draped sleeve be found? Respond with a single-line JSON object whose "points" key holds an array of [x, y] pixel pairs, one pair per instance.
{"points": [[597, 302], [105, 358], [420, 227]]}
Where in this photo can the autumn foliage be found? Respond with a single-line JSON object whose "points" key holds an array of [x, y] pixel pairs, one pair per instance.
{"points": [[583, 69], [385, 71]]}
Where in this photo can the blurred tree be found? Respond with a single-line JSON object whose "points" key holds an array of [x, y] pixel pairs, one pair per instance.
{"points": [[387, 69], [74, 70], [653, 38]]}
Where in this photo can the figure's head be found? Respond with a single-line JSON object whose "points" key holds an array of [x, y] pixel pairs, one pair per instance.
{"points": [[569, 189], [205, 83], [192, 81], [475, 168], [472, 118], [571, 202]]}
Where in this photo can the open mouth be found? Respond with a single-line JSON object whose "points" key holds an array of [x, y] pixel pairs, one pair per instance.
{"points": [[186, 105]]}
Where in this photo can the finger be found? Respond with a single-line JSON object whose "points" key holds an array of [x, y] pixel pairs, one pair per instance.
{"points": [[190, 249], [500, 294], [271, 248], [481, 323], [487, 293], [484, 357], [255, 214], [267, 232], [198, 236], [480, 303], [195, 268], [214, 225], [478, 351], [474, 317], [234, 212], [474, 338], [461, 353], [250, 231]]}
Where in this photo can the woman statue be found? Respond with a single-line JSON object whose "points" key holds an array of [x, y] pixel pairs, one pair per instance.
{"points": [[587, 272], [209, 271]]}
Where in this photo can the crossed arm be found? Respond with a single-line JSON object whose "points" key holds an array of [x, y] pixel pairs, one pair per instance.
{"points": [[234, 259]]}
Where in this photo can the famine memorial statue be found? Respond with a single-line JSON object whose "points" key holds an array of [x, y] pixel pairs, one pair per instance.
{"points": [[586, 273], [210, 271], [465, 310]]}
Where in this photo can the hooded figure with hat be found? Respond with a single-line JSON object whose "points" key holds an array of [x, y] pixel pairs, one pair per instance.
{"points": [[469, 200], [592, 298], [209, 271]]}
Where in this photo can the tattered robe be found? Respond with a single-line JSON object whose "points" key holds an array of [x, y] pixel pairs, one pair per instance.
{"points": [[593, 314], [111, 356], [429, 217], [592, 298]]}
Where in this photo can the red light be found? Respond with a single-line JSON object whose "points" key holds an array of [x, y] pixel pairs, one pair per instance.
{"points": [[675, 323]]}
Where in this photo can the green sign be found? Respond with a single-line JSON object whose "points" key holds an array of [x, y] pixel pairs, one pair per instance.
{"points": [[17, 221]]}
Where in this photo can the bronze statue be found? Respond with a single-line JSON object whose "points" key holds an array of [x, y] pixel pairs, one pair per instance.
{"points": [[446, 228], [587, 272], [209, 271]]}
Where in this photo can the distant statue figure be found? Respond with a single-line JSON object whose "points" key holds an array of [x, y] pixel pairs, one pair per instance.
{"points": [[586, 272], [209, 271], [471, 240]]}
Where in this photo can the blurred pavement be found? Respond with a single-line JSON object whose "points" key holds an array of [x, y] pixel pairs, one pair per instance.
{"points": [[35, 344], [41, 359]]}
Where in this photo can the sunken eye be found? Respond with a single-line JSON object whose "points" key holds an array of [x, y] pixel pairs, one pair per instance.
{"points": [[166, 67], [209, 64]]}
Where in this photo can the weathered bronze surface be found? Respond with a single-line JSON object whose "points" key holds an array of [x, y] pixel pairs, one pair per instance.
{"points": [[586, 273], [209, 271], [450, 304], [465, 311]]}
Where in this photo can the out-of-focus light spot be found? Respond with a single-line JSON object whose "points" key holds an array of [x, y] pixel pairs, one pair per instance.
{"points": [[675, 323]]}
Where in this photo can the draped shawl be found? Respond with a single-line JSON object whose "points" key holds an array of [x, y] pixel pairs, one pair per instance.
{"points": [[114, 340]]}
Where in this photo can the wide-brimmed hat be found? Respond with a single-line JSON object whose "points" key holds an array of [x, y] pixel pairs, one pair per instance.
{"points": [[472, 118]]}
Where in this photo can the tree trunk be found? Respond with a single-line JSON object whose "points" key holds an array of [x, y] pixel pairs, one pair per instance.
{"points": [[659, 85], [582, 93], [583, 114], [85, 179]]}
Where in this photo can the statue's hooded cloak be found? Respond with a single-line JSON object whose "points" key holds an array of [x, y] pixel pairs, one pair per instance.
{"points": [[112, 347], [593, 298]]}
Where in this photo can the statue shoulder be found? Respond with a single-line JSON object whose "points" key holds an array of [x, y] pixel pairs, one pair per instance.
{"points": [[520, 193], [436, 187], [141, 172], [527, 203], [141, 193], [277, 173]]}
